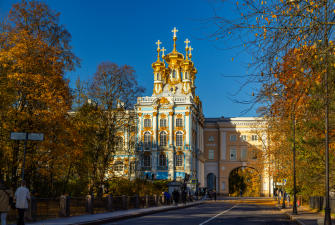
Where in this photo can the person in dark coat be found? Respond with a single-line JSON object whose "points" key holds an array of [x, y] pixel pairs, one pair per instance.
{"points": [[175, 195]]}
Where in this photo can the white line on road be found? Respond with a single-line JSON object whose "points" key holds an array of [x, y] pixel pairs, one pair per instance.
{"points": [[212, 218]]}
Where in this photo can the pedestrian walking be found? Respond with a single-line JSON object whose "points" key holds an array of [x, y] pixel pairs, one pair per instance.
{"points": [[6, 195], [22, 196]]}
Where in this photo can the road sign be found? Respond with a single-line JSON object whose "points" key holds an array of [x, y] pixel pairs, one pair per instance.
{"points": [[36, 136], [17, 136], [31, 136]]}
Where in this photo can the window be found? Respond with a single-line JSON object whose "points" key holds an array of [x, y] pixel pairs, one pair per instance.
{"points": [[243, 154], [119, 142], [162, 123], [232, 154], [187, 75], [174, 74], [147, 122], [233, 137], [147, 161], [118, 166], [254, 154], [179, 122], [254, 137], [223, 185], [210, 154], [147, 139], [243, 137], [163, 138], [211, 138], [179, 160], [132, 167], [162, 160], [179, 138]]}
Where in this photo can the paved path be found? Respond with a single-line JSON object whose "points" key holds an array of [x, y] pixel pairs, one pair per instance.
{"points": [[306, 216], [237, 212]]}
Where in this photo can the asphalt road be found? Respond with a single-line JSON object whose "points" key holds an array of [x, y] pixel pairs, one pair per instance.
{"points": [[232, 212]]}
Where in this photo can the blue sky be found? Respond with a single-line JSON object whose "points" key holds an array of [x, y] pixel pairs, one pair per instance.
{"points": [[125, 32]]}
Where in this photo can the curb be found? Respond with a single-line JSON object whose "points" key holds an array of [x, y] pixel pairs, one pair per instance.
{"points": [[135, 214], [298, 221]]}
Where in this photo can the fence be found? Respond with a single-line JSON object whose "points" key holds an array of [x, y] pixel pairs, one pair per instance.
{"points": [[319, 203], [64, 206]]}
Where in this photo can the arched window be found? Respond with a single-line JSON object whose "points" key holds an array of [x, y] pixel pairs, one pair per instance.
{"points": [[187, 75], [163, 138], [162, 123], [179, 122], [179, 159], [162, 160], [147, 160], [174, 73], [118, 166], [179, 138], [147, 122], [147, 138]]}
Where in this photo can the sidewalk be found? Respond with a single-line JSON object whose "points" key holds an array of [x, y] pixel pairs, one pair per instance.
{"points": [[100, 218], [305, 216]]}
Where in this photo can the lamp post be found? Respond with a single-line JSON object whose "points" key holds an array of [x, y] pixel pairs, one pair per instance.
{"points": [[294, 173], [327, 219]]}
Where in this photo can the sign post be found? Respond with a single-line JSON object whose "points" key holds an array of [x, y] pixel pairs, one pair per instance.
{"points": [[26, 136]]}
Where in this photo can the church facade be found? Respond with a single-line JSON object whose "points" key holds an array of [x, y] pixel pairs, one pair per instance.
{"points": [[173, 139]]}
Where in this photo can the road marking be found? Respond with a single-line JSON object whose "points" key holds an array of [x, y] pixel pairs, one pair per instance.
{"points": [[212, 218]]}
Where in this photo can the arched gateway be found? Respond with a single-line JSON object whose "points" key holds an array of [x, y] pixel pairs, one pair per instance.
{"points": [[245, 181]]}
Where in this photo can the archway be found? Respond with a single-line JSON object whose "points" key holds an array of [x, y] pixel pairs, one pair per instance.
{"points": [[244, 181], [211, 181]]}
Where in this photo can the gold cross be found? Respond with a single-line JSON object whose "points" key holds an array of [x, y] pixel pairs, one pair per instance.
{"points": [[174, 31], [158, 43], [163, 50], [190, 49], [186, 42]]}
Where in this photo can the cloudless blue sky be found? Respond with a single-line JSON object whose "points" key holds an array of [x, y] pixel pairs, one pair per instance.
{"points": [[125, 32]]}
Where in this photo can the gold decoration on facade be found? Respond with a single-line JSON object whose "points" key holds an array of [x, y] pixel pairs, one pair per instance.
{"points": [[164, 101], [179, 153], [171, 113], [179, 116], [147, 116], [163, 116], [187, 113], [139, 114], [154, 113]]}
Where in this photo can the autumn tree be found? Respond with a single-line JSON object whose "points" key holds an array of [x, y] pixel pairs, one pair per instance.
{"points": [[35, 53], [271, 29], [105, 114]]}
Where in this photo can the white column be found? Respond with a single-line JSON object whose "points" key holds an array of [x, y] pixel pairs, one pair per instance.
{"points": [[171, 128], [154, 161], [187, 128], [171, 164], [223, 145], [154, 128], [139, 136]]}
